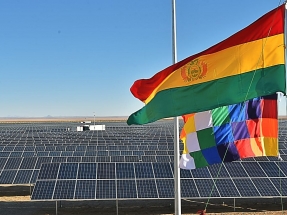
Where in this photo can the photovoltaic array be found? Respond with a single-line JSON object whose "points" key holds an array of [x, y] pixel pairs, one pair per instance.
{"points": [[88, 181], [125, 162]]}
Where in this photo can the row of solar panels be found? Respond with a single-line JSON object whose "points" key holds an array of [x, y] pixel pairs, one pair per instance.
{"points": [[115, 147], [158, 189], [99, 150], [82, 147], [75, 140], [87, 142], [19, 177], [136, 156], [14, 172], [89, 139], [22, 162], [35, 162], [83, 153], [159, 170], [86, 181]]}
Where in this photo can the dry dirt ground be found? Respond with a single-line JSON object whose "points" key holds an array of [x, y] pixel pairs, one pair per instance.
{"points": [[16, 201]]}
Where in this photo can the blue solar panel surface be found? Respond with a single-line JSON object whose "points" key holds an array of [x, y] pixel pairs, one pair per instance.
{"points": [[126, 162]]}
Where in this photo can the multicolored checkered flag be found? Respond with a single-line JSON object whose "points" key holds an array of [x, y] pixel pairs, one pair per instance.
{"points": [[230, 133]]}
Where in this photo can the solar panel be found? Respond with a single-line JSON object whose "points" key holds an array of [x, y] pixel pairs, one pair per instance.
{"points": [[206, 188], [42, 160], [114, 153], [271, 169], [34, 176], [106, 189], [165, 188], [89, 159], [143, 170], [23, 177], [200, 173], [218, 171], [85, 189], [126, 189], [163, 159], [16, 154], [162, 170], [126, 153], [147, 188], [28, 163], [64, 189], [68, 171], [132, 158], [103, 159], [157, 152], [103, 153], [265, 187], [43, 190], [28, 154], [148, 158], [8, 149], [7, 176], [281, 185], [5, 154], [74, 159], [13, 163], [106, 171], [117, 159], [125, 171], [246, 187], [188, 188], [59, 159], [138, 153], [55, 153], [42, 154], [235, 169], [79, 153], [226, 188], [49, 171], [263, 158], [2, 162], [185, 173], [253, 169], [87, 171]]}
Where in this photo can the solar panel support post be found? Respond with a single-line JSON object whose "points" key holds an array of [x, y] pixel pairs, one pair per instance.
{"points": [[117, 206], [56, 207], [177, 194], [234, 204]]}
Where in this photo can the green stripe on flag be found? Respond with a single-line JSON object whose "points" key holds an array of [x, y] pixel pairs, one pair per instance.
{"points": [[209, 95]]}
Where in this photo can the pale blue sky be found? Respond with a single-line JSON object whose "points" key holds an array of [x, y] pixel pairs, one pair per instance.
{"points": [[73, 58]]}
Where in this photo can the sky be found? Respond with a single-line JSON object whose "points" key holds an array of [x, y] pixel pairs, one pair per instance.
{"points": [[80, 57]]}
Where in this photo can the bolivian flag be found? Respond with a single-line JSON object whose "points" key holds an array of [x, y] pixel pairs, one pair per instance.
{"points": [[246, 65]]}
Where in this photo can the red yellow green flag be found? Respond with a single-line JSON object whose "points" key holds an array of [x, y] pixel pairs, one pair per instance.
{"points": [[246, 65]]}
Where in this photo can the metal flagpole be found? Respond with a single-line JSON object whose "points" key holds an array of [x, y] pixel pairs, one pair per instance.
{"points": [[177, 194]]}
